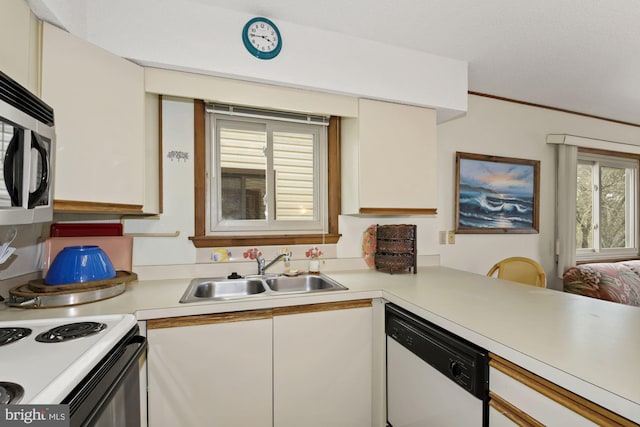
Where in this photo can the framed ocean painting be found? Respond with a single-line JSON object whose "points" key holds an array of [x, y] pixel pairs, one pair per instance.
{"points": [[496, 194]]}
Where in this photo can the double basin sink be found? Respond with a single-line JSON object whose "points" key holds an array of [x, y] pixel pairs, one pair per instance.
{"points": [[218, 289]]}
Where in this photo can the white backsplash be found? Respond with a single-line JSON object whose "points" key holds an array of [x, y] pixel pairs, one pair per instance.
{"points": [[221, 269]]}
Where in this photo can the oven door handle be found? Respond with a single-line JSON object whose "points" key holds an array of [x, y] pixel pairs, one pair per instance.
{"points": [[137, 340], [141, 343]]}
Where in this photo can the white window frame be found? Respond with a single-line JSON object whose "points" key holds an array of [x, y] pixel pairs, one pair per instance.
{"points": [[631, 207], [271, 122]]}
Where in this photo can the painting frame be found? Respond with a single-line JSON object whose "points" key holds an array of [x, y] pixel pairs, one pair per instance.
{"points": [[496, 195]]}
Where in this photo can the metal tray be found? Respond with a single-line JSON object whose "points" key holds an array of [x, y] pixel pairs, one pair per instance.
{"points": [[22, 296]]}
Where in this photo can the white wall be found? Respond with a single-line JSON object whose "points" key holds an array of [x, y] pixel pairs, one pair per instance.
{"points": [[178, 198], [507, 129], [178, 215], [490, 127], [353, 227], [28, 255], [208, 39], [194, 36]]}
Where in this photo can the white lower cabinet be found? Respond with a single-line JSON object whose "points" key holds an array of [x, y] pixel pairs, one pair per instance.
{"points": [[322, 367], [498, 418], [210, 370], [290, 366], [521, 398]]}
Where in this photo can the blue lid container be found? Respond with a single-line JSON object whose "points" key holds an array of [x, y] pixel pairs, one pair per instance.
{"points": [[78, 264]]}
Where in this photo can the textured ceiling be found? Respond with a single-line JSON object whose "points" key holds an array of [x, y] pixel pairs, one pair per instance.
{"points": [[576, 55]]}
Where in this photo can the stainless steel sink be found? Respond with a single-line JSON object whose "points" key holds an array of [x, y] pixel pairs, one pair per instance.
{"points": [[221, 289], [310, 283], [216, 289]]}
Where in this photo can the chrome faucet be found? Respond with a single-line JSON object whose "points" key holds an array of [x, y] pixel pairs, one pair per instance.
{"points": [[262, 264]]}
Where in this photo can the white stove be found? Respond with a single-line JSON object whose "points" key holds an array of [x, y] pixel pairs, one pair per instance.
{"points": [[46, 365]]}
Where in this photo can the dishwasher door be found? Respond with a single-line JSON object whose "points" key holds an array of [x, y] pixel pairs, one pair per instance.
{"points": [[420, 396], [434, 378]]}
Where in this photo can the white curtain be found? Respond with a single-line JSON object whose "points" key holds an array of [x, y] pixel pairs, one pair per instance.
{"points": [[567, 175], [566, 207]]}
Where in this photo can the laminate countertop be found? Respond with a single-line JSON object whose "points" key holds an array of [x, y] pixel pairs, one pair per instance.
{"points": [[587, 346]]}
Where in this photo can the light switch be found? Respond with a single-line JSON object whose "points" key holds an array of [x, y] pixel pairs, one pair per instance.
{"points": [[452, 237]]}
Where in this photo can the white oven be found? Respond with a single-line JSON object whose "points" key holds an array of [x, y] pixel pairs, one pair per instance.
{"points": [[27, 138], [90, 364]]}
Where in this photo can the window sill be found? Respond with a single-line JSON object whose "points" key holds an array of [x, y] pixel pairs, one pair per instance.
{"points": [[282, 239]]}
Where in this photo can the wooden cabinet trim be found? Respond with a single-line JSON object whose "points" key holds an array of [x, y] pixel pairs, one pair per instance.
{"points": [[514, 414], [160, 158], [95, 207], [329, 306], [577, 404], [209, 319], [199, 156], [398, 211], [275, 240], [240, 316]]}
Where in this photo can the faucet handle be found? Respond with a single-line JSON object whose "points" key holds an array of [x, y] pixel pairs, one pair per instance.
{"points": [[286, 254], [257, 255]]}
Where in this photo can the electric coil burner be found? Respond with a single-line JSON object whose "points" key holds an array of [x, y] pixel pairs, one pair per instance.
{"points": [[10, 393], [49, 357], [70, 331], [9, 335]]}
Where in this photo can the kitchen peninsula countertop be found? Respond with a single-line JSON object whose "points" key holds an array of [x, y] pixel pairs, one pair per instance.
{"points": [[588, 346]]}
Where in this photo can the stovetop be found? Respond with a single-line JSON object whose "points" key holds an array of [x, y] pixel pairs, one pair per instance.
{"points": [[47, 358]]}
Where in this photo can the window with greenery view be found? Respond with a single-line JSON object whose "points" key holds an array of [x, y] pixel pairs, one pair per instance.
{"points": [[606, 206], [267, 171]]}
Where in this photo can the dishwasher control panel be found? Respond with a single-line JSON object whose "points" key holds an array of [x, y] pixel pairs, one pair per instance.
{"points": [[463, 362]]}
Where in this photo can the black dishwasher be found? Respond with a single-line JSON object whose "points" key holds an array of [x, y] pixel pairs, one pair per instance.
{"points": [[434, 378]]}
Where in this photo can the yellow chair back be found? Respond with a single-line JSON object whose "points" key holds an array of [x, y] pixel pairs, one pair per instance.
{"points": [[521, 270]]}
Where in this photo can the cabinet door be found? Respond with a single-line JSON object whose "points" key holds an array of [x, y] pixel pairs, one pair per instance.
{"points": [[99, 103], [212, 372], [533, 403], [395, 162], [19, 44], [504, 414], [518, 392], [322, 365], [498, 419]]}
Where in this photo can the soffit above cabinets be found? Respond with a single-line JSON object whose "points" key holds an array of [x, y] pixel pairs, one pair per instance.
{"points": [[200, 39], [575, 55]]}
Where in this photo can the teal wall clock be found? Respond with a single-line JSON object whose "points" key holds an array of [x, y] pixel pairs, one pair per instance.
{"points": [[262, 38]]}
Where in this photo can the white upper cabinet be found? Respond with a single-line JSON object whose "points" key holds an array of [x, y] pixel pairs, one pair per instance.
{"points": [[389, 160], [99, 104], [20, 44]]}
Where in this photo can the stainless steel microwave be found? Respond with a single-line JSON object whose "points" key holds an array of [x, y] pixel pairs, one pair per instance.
{"points": [[27, 137]]}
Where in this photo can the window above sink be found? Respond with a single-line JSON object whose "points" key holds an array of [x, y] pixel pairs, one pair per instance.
{"points": [[267, 171], [247, 214]]}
